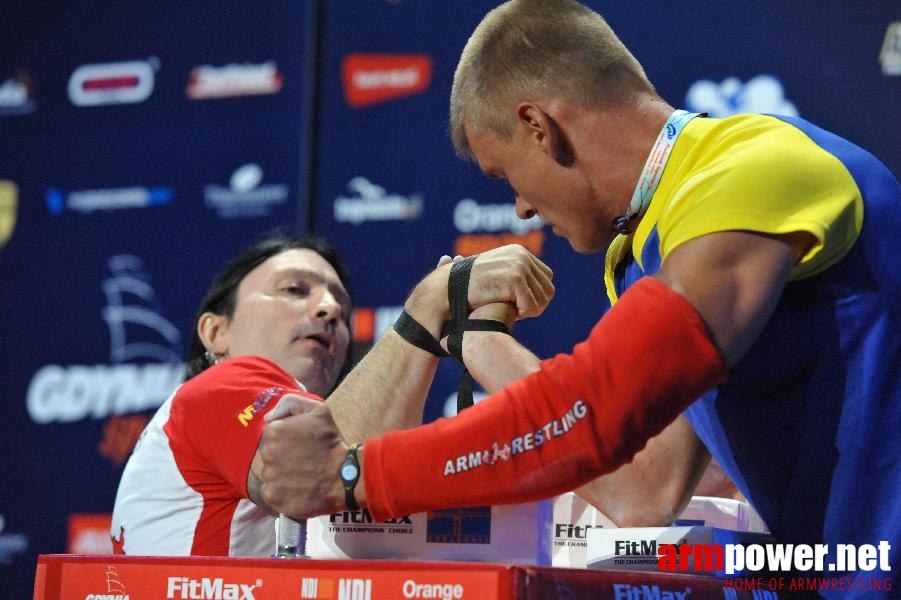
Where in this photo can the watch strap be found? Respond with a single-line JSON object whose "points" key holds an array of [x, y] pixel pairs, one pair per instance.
{"points": [[351, 485]]}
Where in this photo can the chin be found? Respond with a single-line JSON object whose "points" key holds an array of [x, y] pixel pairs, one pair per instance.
{"points": [[585, 248], [314, 379]]}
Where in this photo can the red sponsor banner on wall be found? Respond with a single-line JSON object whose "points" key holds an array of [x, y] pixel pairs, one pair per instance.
{"points": [[89, 534], [373, 78]]}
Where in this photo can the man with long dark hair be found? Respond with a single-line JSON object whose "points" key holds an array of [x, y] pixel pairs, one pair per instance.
{"points": [[274, 324]]}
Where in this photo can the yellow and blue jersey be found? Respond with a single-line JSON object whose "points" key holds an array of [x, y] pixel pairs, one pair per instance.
{"points": [[808, 423]]}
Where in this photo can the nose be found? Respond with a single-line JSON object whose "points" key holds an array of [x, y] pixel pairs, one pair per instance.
{"points": [[523, 209], [327, 306]]}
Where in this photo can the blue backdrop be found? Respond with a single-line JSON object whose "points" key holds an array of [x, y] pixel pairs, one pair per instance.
{"points": [[143, 146]]}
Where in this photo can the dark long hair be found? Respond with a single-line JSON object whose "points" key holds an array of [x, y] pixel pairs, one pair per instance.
{"points": [[221, 296]]}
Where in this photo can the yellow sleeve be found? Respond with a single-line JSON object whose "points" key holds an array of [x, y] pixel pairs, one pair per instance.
{"points": [[768, 178]]}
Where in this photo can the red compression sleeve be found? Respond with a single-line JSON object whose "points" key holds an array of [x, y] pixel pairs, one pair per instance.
{"points": [[581, 415]]}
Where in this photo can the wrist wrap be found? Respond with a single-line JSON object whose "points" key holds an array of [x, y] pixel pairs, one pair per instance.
{"points": [[457, 299], [460, 323]]}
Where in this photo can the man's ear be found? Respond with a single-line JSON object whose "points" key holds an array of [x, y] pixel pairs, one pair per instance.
{"points": [[212, 330], [543, 129]]}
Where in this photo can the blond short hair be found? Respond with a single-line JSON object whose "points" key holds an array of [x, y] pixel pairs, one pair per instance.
{"points": [[532, 49]]}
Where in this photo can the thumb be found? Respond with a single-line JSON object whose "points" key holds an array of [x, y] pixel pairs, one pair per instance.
{"points": [[290, 404]]}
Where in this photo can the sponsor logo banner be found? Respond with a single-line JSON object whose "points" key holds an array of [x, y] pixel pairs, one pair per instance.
{"points": [[127, 82], [88, 201], [459, 526], [371, 202], [245, 195], [760, 94], [890, 55], [486, 226], [138, 332], [374, 78], [89, 534], [12, 544], [17, 95], [206, 82], [166, 579]]}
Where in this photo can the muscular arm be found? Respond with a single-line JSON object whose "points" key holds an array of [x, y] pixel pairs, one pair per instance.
{"points": [[387, 390], [652, 489], [633, 376], [734, 280]]}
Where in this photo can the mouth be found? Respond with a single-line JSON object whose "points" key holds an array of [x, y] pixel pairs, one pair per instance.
{"points": [[323, 339], [320, 339]]}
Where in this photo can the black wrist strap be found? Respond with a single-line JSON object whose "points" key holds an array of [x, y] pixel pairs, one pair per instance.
{"points": [[414, 333], [457, 298]]}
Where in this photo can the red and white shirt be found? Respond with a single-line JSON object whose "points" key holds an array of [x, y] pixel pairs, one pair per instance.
{"points": [[184, 489]]}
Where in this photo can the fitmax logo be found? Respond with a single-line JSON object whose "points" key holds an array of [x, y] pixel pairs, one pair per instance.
{"points": [[624, 591], [206, 588], [363, 516], [635, 548], [568, 530]]}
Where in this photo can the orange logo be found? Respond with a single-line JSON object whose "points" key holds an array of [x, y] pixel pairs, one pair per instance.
{"points": [[474, 243], [373, 78], [120, 434]]}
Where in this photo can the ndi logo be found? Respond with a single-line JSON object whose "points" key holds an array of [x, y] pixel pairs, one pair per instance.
{"points": [[349, 588]]}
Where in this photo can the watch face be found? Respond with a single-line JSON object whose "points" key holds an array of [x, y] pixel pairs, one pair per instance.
{"points": [[349, 471]]}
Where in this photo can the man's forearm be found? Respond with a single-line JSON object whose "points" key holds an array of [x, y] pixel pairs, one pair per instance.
{"points": [[386, 390], [496, 359], [579, 416], [654, 488]]}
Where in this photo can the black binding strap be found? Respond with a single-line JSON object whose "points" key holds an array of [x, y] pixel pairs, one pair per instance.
{"points": [[457, 298], [412, 330]]}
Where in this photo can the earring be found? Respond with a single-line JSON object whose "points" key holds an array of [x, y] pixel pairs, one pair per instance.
{"points": [[213, 358]]}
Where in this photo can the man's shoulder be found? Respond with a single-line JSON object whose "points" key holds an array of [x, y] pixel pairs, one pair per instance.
{"points": [[241, 371], [237, 381]]}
